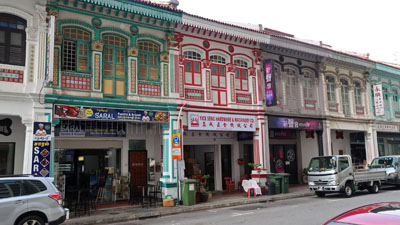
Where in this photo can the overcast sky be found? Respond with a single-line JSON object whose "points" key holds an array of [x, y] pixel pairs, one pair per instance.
{"points": [[364, 26]]}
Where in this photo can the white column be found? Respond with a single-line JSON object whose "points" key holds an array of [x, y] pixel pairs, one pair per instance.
{"points": [[235, 165], [266, 145], [326, 138], [218, 168], [27, 161]]}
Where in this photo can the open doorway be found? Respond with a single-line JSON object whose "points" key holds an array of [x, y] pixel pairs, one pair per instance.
{"points": [[199, 160]]}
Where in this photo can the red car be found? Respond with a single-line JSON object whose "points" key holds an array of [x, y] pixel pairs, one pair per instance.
{"points": [[387, 213]]}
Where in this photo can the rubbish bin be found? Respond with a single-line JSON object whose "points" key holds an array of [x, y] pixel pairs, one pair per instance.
{"points": [[188, 191], [284, 182], [270, 187], [278, 184]]}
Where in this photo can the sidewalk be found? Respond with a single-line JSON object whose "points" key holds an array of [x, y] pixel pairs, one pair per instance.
{"points": [[127, 213]]}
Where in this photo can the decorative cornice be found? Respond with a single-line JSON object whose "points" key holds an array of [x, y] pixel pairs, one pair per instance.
{"points": [[97, 46], [164, 57], [293, 52], [225, 29], [133, 51]]}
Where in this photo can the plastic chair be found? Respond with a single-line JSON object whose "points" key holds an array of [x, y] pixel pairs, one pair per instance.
{"points": [[239, 183], [229, 184], [246, 185]]}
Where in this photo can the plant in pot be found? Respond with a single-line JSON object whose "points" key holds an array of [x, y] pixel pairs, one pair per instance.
{"points": [[204, 193], [254, 166]]}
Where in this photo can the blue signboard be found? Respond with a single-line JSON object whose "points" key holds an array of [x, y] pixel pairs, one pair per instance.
{"points": [[94, 113]]}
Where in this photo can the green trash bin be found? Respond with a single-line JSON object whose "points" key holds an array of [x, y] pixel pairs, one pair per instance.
{"points": [[188, 191], [284, 178], [278, 184]]}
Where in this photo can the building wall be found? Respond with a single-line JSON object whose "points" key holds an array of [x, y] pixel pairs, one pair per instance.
{"points": [[309, 148], [17, 136]]}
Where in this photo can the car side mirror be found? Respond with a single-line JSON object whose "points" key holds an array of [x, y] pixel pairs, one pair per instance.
{"points": [[369, 166], [396, 164]]}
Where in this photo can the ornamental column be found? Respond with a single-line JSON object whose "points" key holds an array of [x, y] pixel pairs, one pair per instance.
{"points": [[97, 62], [231, 83], [132, 70]]}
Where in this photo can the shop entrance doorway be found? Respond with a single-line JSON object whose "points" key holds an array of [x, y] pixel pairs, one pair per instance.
{"points": [[199, 161], [248, 157], [226, 163], [284, 160], [138, 167]]}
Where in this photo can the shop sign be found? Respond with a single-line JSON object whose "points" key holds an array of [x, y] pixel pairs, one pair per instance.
{"points": [[387, 127], [41, 149], [176, 146], [77, 128], [294, 123], [223, 122], [378, 100], [94, 113], [270, 92]]}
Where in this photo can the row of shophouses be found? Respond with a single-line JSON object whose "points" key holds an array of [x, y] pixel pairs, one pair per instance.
{"points": [[113, 81]]}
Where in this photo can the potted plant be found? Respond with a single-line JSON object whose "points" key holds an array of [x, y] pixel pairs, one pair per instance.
{"points": [[204, 193]]}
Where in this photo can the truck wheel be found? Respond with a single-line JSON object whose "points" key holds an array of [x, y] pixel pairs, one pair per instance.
{"points": [[374, 188], [320, 194], [348, 190]]}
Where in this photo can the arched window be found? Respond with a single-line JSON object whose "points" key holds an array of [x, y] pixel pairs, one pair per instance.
{"points": [[241, 76], [114, 65], [149, 61], [330, 89], [357, 93], [395, 100], [218, 80], [12, 39], [192, 68], [308, 87], [192, 55], [76, 55], [345, 96]]}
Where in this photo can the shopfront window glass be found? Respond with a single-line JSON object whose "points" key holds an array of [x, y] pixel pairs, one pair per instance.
{"points": [[7, 152], [85, 167]]}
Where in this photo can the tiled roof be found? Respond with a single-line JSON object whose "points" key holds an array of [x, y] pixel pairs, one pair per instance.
{"points": [[141, 7]]}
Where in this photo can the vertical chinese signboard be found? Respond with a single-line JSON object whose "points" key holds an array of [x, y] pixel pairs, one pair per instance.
{"points": [[41, 149], [270, 92], [378, 100]]}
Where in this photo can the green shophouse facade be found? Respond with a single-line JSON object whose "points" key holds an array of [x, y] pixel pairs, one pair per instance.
{"points": [[386, 130], [114, 57]]}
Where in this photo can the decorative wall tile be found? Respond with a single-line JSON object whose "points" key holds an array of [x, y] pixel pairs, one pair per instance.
{"points": [[243, 98], [166, 83], [75, 82], [149, 89], [15, 76], [194, 94]]}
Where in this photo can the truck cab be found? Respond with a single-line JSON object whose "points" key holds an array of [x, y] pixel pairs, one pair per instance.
{"points": [[335, 174]]}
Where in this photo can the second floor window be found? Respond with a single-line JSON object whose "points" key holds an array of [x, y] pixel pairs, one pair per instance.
{"points": [[330, 89], [290, 84], [149, 61], [12, 40], [241, 77], [357, 94], [395, 100], [218, 80], [345, 96], [76, 50], [308, 89], [192, 68]]}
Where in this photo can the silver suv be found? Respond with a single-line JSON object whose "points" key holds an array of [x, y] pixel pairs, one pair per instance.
{"points": [[25, 199]]}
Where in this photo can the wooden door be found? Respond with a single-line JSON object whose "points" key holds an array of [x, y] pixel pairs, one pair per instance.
{"points": [[138, 167]]}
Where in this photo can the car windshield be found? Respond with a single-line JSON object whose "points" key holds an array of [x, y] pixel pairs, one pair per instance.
{"points": [[391, 209], [322, 164], [383, 162]]}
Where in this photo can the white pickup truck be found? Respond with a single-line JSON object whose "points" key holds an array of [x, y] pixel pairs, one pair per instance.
{"points": [[335, 174]]}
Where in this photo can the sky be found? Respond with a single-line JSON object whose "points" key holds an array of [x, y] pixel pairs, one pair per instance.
{"points": [[361, 26]]}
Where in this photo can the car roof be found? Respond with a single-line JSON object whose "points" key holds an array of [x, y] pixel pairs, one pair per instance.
{"points": [[372, 214]]}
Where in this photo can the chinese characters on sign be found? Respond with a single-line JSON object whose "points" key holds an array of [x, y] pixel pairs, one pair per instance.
{"points": [[270, 96], [228, 122], [378, 100], [41, 149], [294, 123]]}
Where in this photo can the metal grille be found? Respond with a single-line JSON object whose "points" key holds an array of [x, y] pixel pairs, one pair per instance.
{"points": [[69, 62]]}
